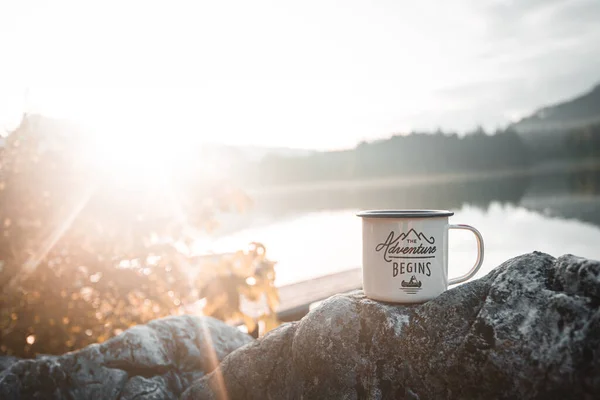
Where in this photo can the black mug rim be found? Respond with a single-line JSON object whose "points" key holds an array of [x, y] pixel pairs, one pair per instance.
{"points": [[405, 213]]}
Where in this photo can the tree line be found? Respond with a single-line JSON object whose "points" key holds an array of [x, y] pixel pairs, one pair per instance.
{"points": [[422, 154]]}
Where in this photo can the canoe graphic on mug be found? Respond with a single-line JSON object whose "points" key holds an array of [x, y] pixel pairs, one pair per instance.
{"points": [[414, 282]]}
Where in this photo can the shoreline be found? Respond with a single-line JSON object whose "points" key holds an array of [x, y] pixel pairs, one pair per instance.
{"points": [[535, 170]]}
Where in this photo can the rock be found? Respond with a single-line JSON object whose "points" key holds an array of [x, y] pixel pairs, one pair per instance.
{"points": [[265, 365], [155, 388], [185, 343], [154, 361], [530, 329], [7, 361], [84, 378]]}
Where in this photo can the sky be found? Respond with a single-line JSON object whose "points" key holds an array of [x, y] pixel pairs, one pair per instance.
{"points": [[321, 74]]}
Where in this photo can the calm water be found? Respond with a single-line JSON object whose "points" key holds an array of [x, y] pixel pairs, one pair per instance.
{"points": [[315, 232]]}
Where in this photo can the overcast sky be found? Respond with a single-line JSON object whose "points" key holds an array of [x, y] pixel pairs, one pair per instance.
{"points": [[310, 74]]}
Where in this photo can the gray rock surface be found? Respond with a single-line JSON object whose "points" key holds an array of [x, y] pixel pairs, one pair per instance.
{"points": [[7, 361], [530, 329], [154, 361]]}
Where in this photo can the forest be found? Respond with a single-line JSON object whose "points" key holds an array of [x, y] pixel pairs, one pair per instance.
{"points": [[420, 154]]}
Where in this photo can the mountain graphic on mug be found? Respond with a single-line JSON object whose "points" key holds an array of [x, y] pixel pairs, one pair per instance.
{"points": [[413, 283], [416, 235]]}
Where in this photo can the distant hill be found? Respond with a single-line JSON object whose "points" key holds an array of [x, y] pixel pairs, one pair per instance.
{"points": [[255, 153], [576, 113]]}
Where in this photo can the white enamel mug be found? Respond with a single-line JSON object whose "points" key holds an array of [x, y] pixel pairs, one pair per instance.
{"points": [[405, 254]]}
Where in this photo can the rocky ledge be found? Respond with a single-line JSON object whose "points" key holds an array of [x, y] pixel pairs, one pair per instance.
{"points": [[530, 329], [157, 361]]}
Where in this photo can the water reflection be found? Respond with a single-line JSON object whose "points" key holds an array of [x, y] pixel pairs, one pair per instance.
{"points": [[315, 232], [573, 195], [445, 195], [566, 194], [323, 242]]}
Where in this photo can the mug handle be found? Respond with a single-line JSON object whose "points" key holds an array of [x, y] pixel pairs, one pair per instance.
{"points": [[479, 260]]}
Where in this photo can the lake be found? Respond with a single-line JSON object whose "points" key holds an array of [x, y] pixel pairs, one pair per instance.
{"points": [[314, 231]]}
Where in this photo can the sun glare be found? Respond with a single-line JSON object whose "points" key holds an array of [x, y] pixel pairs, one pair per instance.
{"points": [[135, 134], [136, 150], [135, 155]]}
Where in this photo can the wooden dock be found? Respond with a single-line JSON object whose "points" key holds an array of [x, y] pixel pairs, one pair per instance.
{"points": [[296, 298]]}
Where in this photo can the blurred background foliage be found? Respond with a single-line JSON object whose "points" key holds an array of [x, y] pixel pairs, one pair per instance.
{"points": [[249, 274], [87, 250]]}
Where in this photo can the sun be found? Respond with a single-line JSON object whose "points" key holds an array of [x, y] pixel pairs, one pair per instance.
{"points": [[136, 152], [124, 148], [139, 135], [130, 133]]}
